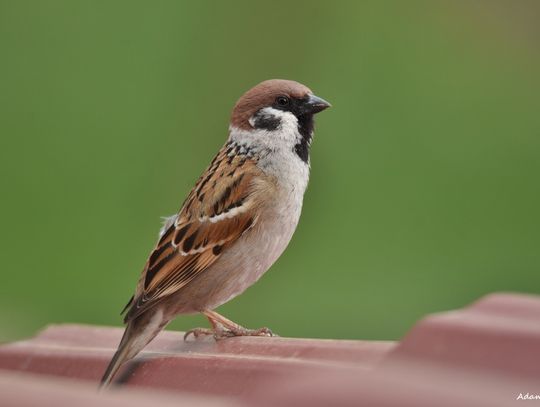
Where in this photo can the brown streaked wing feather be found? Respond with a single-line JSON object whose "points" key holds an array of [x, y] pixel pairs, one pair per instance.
{"points": [[219, 209]]}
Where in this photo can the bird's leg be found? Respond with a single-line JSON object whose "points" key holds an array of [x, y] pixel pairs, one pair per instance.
{"points": [[232, 328]]}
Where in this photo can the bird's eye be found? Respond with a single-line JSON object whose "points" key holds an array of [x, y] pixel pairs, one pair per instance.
{"points": [[282, 100]]}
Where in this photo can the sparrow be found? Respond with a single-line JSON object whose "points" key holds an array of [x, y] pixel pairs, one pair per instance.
{"points": [[234, 224]]}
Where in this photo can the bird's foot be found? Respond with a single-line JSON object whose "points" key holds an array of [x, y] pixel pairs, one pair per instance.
{"points": [[225, 328], [222, 332], [241, 331]]}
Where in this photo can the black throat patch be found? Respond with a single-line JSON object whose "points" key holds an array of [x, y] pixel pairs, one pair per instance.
{"points": [[305, 128]]}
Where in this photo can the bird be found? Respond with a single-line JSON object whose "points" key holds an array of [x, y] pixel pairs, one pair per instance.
{"points": [[234, 224]]}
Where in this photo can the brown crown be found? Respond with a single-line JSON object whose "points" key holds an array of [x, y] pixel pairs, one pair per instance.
{"points": [[263, 95]]}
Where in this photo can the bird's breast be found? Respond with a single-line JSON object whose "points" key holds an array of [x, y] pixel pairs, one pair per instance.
{"points": [[241, 265]]}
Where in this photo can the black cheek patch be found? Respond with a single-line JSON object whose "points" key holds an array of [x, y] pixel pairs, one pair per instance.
{"points": [[266, 122]]}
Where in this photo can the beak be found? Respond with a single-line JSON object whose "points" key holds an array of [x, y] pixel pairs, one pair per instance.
{"points": [[315, 104]]}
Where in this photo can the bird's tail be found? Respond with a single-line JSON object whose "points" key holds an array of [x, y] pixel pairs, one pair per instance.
{"points": [[139, 332]]}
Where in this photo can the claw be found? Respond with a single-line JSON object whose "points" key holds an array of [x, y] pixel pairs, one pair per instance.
{"points": [[196, 332]]}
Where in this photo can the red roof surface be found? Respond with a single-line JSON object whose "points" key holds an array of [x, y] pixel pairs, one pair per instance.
{"points": [[486, 354]]}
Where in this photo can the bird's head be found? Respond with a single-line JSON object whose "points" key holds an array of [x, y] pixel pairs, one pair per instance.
{"points": [[279, 109]]}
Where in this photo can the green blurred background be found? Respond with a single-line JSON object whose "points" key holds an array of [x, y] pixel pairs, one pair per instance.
{"points": [[425, 173]]}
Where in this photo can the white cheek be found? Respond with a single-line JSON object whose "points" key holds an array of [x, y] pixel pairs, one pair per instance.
{"points": [[286, 136], [288, 125]]}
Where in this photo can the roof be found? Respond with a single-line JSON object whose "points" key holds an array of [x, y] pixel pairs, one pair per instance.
{"points": [[484, 354]]}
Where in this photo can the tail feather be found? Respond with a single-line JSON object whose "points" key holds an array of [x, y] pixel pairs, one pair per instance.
{"points": [[116, 362], [139, 332]]}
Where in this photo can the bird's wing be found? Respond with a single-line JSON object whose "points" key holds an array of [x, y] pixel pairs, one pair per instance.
{"points": [[221, 207]]}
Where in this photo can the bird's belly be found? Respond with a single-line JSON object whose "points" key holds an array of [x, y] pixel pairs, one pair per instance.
{"points": [[242, 264], [255, 254]]}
